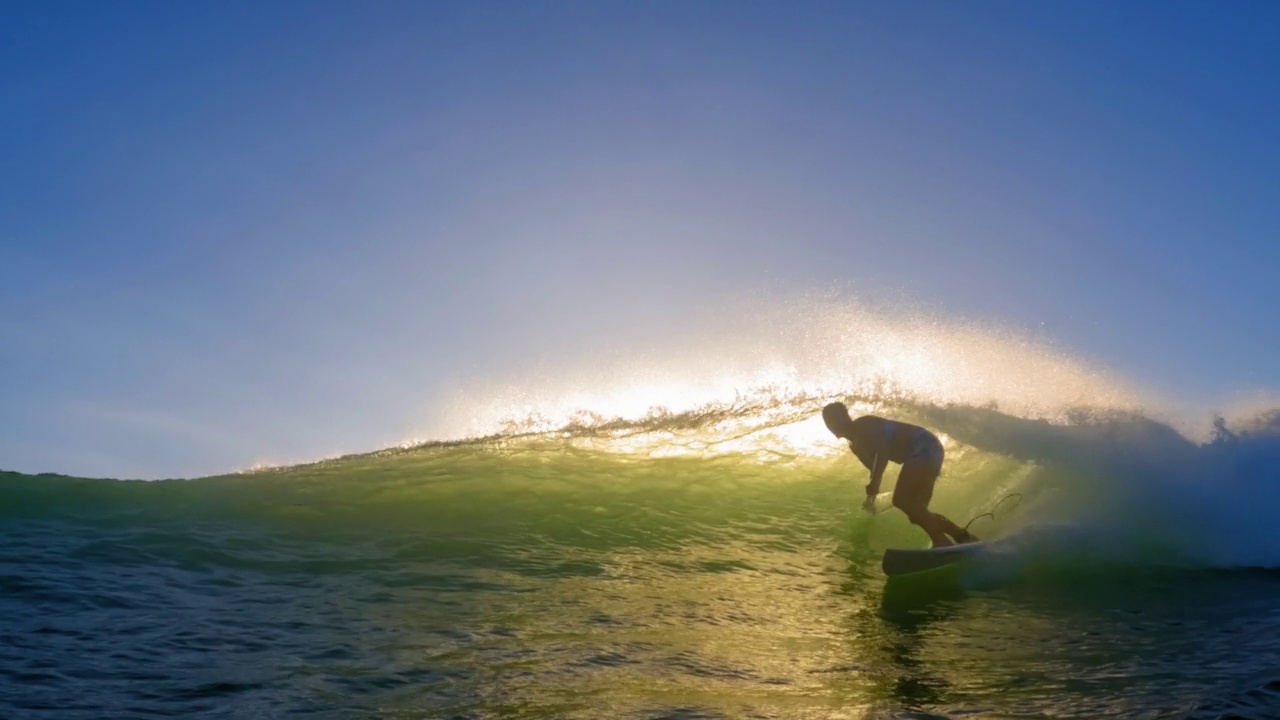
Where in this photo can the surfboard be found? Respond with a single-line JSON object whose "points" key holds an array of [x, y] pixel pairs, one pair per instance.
{"points": [[904, 561]]}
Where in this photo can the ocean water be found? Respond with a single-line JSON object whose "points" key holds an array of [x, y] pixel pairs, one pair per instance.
{"points": [[697, 560]]}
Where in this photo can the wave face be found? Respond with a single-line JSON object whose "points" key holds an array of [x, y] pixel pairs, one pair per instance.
{"points": [[677, 537], [1121, 486]]}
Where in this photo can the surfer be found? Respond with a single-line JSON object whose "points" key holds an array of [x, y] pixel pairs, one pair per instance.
{"points": [[877, 442]]}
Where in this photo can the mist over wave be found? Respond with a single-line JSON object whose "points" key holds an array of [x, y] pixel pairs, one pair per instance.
{"points": [[770, 351]]}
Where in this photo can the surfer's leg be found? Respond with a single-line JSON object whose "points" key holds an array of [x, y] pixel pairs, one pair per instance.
{"points": [[912, 495], [921, 470], [955, 531]]}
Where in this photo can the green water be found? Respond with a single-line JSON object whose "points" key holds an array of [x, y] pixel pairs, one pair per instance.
{"points": [[548, 577]]}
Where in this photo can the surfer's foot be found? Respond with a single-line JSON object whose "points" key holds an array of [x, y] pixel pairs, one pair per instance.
{"points": [[964, 536]]}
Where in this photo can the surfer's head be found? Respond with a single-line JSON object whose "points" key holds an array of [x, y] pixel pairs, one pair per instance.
{"points": [[836, 416]]}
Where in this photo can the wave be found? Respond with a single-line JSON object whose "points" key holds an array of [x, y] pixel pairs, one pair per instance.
{"points": [[1119, 486], [733, 403]]}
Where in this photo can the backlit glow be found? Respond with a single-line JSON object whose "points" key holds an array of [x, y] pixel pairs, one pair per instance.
{"points": [[766, 380]]}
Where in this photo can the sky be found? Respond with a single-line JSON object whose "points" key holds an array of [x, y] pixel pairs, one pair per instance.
{"points": [[236, 232]]}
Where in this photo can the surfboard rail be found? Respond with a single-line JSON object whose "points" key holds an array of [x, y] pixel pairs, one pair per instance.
{"points": [[904, 561]]}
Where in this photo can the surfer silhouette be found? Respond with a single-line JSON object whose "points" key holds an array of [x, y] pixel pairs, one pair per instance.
{"points": [[876, 442]]}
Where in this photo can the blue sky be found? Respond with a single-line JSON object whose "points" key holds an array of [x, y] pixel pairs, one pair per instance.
{"points": [[233, 232]]}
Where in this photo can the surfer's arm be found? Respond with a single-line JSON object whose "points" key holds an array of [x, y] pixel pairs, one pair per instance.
{"points": [[874, 455], [878, 464], [873, 451]]}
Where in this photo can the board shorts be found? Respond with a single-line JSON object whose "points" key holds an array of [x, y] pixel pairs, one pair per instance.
{"points": [[925, 446], [920, 471]]}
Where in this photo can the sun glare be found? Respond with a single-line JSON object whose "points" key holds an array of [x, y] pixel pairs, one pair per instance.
{"points": [[756, 387]]}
